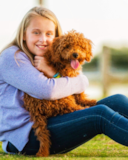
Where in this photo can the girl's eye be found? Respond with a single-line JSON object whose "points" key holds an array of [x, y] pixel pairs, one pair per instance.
{"points": [[49, 34], [36, 32]]}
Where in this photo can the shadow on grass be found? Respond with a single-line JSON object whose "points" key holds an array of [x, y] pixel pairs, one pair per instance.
{"points": [[2, 153]]}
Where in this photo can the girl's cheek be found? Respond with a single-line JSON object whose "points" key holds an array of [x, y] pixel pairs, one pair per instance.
{"points": [[51, 39]]}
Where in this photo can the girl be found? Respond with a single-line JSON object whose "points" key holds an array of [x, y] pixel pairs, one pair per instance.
{"points": [[21, 70]]}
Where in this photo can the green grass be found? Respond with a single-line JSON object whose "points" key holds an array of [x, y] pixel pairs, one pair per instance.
{"points": [[100, 147]]}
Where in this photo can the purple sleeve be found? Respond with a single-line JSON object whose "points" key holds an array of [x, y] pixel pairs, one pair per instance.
{"points": [[27, 78]]}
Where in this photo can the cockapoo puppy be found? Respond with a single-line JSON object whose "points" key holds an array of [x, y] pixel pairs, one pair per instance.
{"points": [[66, 55]]}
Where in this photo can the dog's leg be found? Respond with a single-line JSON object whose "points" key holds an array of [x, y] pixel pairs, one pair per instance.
{"points": [[43, 136], [68, 105], [82, 100], [59, 107]]}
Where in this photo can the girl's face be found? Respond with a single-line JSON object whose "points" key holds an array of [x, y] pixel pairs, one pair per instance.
{"points": [[39, 35]]}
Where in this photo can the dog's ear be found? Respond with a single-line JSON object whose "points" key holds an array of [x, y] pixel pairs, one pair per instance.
{"points": [[56, 48], [89, 54]]}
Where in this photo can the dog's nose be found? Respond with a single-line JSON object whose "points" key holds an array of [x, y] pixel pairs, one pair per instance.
{"points": [[75, 55]]}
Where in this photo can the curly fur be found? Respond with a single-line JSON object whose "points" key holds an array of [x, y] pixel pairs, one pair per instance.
{"points": [[59, 56]]}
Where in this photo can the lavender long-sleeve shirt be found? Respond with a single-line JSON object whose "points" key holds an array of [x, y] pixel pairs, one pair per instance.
{"points": [[15, 124]]}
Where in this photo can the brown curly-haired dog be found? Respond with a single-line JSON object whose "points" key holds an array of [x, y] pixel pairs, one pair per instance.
{"points": [[66, 54]]}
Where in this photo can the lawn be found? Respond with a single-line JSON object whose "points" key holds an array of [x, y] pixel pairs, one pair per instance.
{"points": [[100, 147]]}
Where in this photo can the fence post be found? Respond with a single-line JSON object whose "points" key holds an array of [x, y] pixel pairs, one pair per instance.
{"points": [[41, 2], [105, 65]]}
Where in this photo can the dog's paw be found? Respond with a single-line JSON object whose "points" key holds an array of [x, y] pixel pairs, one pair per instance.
{"points": [[38, 154], [93, 102], [88, 103]]}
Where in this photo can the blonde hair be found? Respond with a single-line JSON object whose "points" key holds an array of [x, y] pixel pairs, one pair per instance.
{"points": [[36, 11]]}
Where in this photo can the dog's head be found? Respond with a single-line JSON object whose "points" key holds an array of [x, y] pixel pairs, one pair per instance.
{"points": [[71, 50]]}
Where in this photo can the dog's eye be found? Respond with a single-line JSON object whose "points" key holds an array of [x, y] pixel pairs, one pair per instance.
{"points": [[66, 47]]}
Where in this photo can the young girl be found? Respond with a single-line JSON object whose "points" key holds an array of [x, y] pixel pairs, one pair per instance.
{"points": [[21, 70]]}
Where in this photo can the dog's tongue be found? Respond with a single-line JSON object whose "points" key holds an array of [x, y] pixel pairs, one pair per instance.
{"points": [[74, 64]]}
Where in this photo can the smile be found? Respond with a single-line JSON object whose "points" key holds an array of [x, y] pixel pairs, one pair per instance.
{"points": [[41, 46]]}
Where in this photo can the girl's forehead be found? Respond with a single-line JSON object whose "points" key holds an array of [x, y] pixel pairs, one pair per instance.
{"points": [[41, 22]]}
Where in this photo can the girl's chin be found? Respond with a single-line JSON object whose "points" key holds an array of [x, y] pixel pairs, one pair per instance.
{"points": [[40, 53]]}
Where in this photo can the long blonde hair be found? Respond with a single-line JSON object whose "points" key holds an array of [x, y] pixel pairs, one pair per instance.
{"points": [[36, 11]]}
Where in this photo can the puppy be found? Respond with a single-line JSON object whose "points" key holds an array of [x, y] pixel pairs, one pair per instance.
{"points": [[66, 55]]}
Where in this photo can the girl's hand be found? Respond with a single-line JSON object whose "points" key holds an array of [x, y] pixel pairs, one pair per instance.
{"points": [[40, 63]]}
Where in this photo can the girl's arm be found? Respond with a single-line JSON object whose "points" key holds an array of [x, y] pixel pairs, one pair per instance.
{"points": [[28, 79]]}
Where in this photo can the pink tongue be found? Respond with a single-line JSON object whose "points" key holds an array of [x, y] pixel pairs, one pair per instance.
{"points": [[74, 64]]}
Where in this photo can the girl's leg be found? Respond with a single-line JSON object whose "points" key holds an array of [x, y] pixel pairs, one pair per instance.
{"points": [[71, 130], [118, 103]]}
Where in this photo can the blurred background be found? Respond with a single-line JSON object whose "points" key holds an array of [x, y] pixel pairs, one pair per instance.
{"points": [[105, 22]]}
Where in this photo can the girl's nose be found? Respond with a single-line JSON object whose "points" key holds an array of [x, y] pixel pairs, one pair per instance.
{"points": [[42, 38]]}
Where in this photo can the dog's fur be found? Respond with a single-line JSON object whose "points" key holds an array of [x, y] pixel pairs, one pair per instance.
{"points": [[59, 56]]}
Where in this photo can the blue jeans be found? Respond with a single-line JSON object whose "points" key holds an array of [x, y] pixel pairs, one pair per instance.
{"points": [[69, 131]]}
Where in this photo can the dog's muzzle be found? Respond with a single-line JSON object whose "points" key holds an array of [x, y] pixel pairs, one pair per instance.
{"points": [[75, 55]]}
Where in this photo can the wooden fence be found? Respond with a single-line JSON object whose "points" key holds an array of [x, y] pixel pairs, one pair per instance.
{"points": [[109, 78]]}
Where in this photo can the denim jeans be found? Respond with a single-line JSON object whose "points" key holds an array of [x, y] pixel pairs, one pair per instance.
{"points": [[69, 131]]}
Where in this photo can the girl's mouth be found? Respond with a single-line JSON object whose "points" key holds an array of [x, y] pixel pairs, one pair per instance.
{"points": [[42, 46]]}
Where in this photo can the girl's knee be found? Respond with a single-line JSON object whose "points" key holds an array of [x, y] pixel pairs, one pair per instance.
{"points": [[101, 109], [120, 98]]}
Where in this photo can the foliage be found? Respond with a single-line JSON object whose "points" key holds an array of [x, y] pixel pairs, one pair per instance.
{"points": [[118, 60]]}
